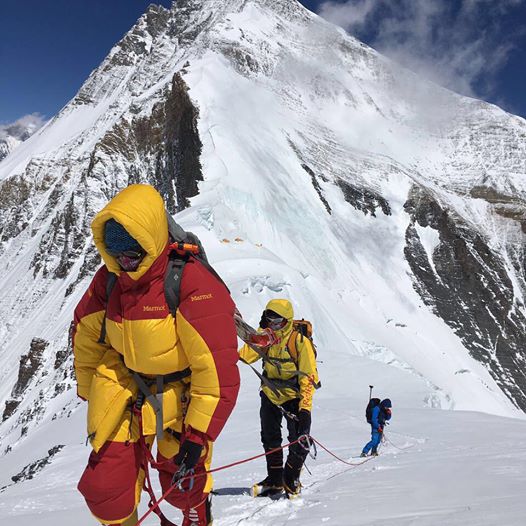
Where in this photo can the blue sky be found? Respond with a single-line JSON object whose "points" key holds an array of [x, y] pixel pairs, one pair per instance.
{"points": [[476, 47]]}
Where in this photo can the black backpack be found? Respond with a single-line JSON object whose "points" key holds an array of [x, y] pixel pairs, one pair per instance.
{"points": [[373, 402]]}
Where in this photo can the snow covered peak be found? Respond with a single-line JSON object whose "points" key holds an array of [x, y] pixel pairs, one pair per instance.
{"points": [[13, 134]]}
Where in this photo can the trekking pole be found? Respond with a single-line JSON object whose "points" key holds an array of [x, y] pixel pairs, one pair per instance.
{"points": [[370, 392]]}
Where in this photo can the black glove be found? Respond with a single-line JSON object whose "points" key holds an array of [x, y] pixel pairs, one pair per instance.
{"points": [[190, 450], [304, 422]]}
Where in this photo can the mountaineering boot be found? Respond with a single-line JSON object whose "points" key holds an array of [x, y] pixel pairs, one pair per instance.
{"points": [[292, 488], [271, 485], [374, 453], [291, 480], [200, 515], [363, 454]]}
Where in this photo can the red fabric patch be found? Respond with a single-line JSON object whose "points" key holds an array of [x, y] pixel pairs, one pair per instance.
{"points": [[94, 298], [108, 482], [189, 498], [143, 299], [208, 307]]}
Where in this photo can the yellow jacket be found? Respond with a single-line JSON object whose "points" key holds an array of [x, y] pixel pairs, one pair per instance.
{"points": [[281, 365], [143, 336]]}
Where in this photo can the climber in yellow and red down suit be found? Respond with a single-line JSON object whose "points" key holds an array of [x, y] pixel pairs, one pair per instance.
{"points": [[291, 379], [141, 336]]}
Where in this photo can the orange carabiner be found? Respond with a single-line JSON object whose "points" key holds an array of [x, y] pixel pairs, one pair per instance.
{"points": [[181, 248]]}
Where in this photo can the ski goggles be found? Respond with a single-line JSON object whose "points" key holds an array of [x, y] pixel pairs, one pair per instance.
{"points": [[274, 320]]}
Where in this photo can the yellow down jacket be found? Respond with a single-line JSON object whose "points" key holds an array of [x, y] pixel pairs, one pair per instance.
{"points": [[284, 367], [143, 336]]}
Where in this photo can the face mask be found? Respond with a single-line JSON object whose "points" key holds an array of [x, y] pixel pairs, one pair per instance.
{"points": [[128, 260]]}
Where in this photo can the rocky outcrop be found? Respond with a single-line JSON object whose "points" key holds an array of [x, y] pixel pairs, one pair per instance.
{"points": [[508, 206], [363, 199], [30, 470], [14, 194], [63, 242], [30, 363], [469, 286], [317, 187], [162, 149]]}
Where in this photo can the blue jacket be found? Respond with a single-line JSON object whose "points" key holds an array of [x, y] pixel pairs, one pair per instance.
{"points": [[379, 417]]}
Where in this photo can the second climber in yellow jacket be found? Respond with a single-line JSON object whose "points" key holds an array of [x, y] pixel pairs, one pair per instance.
{"points": [[290, 379]]}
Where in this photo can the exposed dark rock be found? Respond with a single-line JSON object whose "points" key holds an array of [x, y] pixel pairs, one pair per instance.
{"points": [[182, 147], [63, 242], [21, 195], [242, 60], [32, 469], [59, 388], [163, 149], [10, 408], [14, 193], [362, 199], [33, 413], [29, 365], [90, 264], [507, 206], [157, 18], [60, 358], [184, 27], [317, 187], [470, 289]]}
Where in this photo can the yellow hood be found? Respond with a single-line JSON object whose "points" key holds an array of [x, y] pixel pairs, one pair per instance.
{"points": [[281, 307], [139, 208]]}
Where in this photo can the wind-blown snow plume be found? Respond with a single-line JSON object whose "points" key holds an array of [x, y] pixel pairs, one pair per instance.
{"points": [[14, 133], [23, 127], [462, 46]]}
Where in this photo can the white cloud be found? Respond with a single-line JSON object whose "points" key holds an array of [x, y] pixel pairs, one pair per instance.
{"points": [[23, 127], [459, 45], [348, 15]]}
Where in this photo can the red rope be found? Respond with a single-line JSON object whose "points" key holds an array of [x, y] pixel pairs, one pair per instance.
{"points": [[338, 458], [155, 504], [399, 448]]}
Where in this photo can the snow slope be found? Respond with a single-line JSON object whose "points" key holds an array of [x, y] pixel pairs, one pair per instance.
{"points": [[438, 467]]}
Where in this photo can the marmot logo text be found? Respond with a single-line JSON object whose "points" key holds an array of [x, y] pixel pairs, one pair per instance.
{"points": [[152, 308], [202, 297]]}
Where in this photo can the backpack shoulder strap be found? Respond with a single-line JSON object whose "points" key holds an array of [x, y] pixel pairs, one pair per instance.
{"points": [[292, 346], [111, 279], [172, 282]]}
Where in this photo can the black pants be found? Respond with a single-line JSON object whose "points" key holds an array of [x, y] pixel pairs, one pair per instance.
{"points": [[271, 418]]}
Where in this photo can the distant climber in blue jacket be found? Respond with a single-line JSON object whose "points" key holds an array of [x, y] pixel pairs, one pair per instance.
{"points": [[381, 413]]}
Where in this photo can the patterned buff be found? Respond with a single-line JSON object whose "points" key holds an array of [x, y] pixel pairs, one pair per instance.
{"points": [[117, 239], [122, 246]]}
